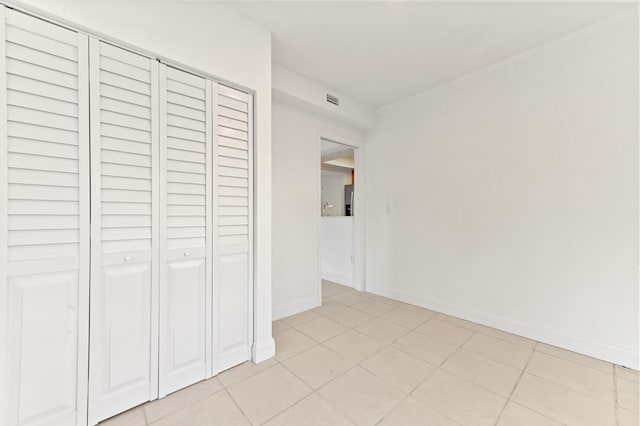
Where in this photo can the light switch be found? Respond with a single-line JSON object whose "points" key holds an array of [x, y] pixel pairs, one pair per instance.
{"points": [[387, 209]]}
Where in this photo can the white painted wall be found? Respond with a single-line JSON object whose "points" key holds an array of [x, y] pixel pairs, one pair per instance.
{"points": [[211, 38], [514, 195], [311, 96], [296, 196], [336, 253]]}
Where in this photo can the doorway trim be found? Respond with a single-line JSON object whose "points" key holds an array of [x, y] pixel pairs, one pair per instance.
{"points": [[358, 208]]}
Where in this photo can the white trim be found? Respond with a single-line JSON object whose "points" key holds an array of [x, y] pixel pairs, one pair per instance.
{"points": [[251, 291], [358, 281], [163, 347], [291, 308], [263, 351], [4, 308], [155, 232], [84, 257], [95, 258], [209, 120], [593, 349]]}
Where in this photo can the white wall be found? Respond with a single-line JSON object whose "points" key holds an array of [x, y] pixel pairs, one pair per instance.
{"points": [[213, 39], [296, 199], [311, 96], [514, 195], [337, 249]]}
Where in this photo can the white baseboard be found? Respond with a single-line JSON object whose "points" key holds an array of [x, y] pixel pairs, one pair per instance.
{"points": [[263, 351], [294, 307], [338, 278], [593, 349]]}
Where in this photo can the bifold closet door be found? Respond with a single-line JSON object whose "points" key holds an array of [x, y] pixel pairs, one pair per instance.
{"points": [[124, 248], [233, 242], [185, 229], [44, 222]]}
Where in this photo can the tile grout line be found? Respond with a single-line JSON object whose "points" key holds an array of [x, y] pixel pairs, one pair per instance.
{"points": [[238, 405], [615, 397], [506, 402]]}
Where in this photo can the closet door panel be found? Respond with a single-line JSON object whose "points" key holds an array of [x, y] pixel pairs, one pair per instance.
{"points": [[233, 251], [44, 222], [185, 252], [124, 249]]}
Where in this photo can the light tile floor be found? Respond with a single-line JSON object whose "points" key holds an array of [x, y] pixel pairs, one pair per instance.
{"points": [[364, 359]]}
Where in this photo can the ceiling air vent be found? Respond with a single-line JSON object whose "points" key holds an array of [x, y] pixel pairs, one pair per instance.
{"points": [[333, 99]]}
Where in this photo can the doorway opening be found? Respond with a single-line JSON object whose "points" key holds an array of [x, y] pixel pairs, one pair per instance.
{"points": [[340, 215]]}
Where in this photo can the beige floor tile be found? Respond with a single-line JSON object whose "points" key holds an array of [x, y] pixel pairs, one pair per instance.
{"points": [[482, 371], [427, 348], [413, 413], [331, 289], [450, 333], [628, 418], [154, 410], [317, 366], [628, 394], [576, 376], [349, 298], [278, 326], [562, 403], [383, 330], [267, 394], [397, 368], [517, 415], [409, 319], [354, 345], [302, 317], [244, 370], [291, 342], [627, 373], [511, 338], [322, 328], [498, 350], [575, 357], [311, 411], [328, 307], [460, 400], [215, 410], [361, 396], [133, 417], [372, 307], [350, 317], [458, 321]]}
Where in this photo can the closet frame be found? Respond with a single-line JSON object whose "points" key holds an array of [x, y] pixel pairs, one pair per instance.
{"points": [[85, 258]]}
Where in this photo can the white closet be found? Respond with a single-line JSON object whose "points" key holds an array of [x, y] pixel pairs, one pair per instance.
{"points": [[185, 224], [232, 253], [125, 226], [44, 222]]}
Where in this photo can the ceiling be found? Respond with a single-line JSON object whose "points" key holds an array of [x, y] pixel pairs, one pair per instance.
{"points": [[381, 52], [335, 156]]}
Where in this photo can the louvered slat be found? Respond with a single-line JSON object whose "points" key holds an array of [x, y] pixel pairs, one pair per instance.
{"points": [[233, 223], [185, 243], [44, 221], [124, 247]]}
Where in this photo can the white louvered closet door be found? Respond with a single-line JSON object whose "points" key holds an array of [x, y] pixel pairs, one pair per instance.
{"points": [[185, 231], [44, 222], [233, 242], [124, 248]]}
